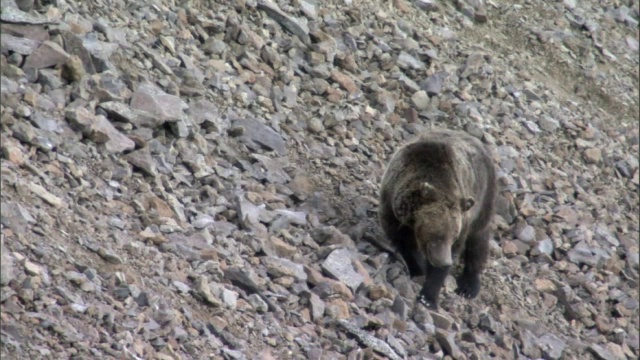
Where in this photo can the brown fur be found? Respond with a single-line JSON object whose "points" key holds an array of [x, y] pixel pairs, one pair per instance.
{"points": [[436, 203]]}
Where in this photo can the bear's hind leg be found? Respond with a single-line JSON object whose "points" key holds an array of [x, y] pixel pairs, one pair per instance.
{"points": [[432, 285], [475, 257]]}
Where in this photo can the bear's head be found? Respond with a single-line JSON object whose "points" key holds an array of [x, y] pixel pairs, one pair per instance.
{"points": [[438, 223]]}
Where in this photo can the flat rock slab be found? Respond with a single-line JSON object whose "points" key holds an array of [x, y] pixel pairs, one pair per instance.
{"points": [[22, 46], [14, 15], [283, 267], [369, 340], [15, 217], [164, 107], [99, 130], [46, 55], [33, 32], [258, 134], [288, 22], [338, 265]]}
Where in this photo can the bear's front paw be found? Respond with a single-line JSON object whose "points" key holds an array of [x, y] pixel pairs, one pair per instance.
{"points": [[468, 286], [428, 301]]}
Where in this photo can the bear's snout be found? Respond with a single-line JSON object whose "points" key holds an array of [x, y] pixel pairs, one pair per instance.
{"points": [[439, 255]]}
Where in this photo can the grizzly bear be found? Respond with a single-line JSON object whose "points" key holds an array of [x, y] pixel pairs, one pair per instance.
{"points": [[436, 202]]}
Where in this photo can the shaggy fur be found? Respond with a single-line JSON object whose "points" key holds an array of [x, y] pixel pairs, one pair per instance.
{"points": [[436, 203]]}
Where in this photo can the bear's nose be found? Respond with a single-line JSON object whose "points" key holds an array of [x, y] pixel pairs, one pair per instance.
{"points": [[440, 254], [442, 262]]}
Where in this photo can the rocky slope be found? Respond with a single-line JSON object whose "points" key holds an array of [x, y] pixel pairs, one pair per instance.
{"points": [[198, 179]]}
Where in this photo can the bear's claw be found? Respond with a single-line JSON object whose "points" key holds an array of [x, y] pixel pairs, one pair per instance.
{"points": [[468, 286], [431, 304]]}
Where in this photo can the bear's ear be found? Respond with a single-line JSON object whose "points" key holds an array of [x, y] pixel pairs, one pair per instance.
{"points": [[426, 189], [467, 203]]}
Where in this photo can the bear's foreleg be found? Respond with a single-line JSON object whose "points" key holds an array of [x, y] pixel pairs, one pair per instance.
{"points": [[405, 242], [432, 284], [402, 238], [475, 256]]}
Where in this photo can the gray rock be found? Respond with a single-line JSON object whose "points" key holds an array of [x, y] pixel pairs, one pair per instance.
{"points": [[258, 135], [180, 128], [46, 55], [545, 246], [229, 298], [202, 222], [117, 223], [119, 111], [202, 291], [369, 340], [109, 256], [420, 100], [12, 14], [101, 52], [293, 217], [433, 84], [548, 123], [530, 346], [23, 111], [75, 46], [633, 258], [580, 256], [552, 347], [317, 307], [67, 295], [397, 346], [290, 23], [192, 68], [474, 130], [315, 125], [99, 130], [526, 233], [601, 353], [274, 172], [400, 308], [157, 60], [531, 126], [182, 287], [308, 9], [50, 77], [441, 321], [258, 304], [249, 214], [24, 132], [8, 86], [278, 267], [233, 354], [45, 195], [111, 87], [23, 46], [338, 265], [487, 323], [408, 84], [203, 111], [162, 107], [7, 264], [427, 5], [448, 344], [406, 61], [329, 235], [632, 43], [214, 46], [44, 123]]}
